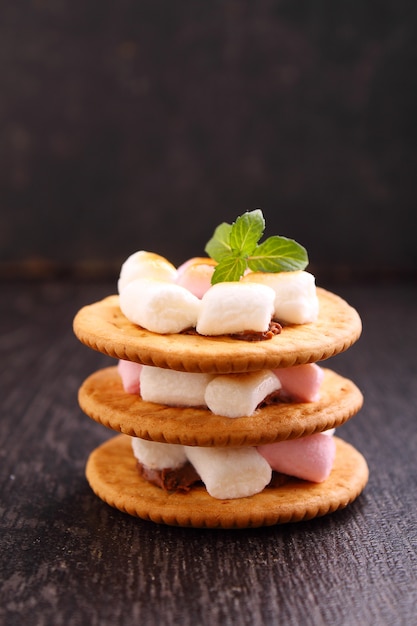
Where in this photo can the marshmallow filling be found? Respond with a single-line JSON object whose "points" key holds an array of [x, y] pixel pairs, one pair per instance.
{"points": [[230, 473]]}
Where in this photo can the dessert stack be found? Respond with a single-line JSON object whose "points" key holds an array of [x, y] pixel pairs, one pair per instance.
{"points": [[225, 410]]}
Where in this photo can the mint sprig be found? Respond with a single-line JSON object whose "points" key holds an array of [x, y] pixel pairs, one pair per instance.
{"points": [[235, 248]]}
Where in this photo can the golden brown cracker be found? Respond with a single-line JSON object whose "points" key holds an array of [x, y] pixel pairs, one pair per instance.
{"points": [[102, 398], [112, 473], [103, 327]]}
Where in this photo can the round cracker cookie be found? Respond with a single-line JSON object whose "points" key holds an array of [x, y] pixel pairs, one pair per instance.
{"points": [[103, 327], [113, 476], [102, 398]]}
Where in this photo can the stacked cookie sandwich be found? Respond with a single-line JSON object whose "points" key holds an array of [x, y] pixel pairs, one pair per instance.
{"points": [[227, 418]]}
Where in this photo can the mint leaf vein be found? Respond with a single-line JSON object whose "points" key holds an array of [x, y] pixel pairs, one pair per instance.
{"points": [[235, 247]]}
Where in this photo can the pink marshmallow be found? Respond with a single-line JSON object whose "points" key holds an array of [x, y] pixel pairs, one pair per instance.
{"points": [[309, 458], [129, 372], [195, 275], [301, 382]]}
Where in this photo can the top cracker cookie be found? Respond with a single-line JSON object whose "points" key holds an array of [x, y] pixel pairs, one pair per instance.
{"points": [[103, 327]]}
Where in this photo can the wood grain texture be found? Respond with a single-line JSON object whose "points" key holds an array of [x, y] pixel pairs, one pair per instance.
{"points": [[66, 558]]}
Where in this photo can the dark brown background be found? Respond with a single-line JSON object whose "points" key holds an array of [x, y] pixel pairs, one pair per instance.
{"points": [[143, 124]]}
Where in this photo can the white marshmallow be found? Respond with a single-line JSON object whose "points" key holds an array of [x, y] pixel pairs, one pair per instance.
{"points": [[158, 456], [238, 395], [173, 388], [296, 299], [158, 306], [233, 307], [230, 472], [143, 264]]}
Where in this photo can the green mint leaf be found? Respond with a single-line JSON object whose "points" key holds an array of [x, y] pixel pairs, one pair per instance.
{"points": [[219, 244], [229, 269], [235, 248], [278, 254], [246, 232]]}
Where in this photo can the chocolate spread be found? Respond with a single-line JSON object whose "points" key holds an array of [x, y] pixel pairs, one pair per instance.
{"points": [[179, 479], [252, 335], [185, 477], [248, 335], [276, 397]]}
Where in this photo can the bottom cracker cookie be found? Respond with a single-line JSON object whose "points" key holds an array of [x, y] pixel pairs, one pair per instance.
{"points": [[113, 476]]}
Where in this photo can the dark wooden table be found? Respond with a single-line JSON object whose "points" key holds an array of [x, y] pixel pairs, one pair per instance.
{"points": [[69, 559]]}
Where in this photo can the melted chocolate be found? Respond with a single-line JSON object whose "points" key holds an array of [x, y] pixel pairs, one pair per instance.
{"points": [[168, 479], [252, 335], [278, 480], [275, 328], [276, 397], [185, 477]]}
